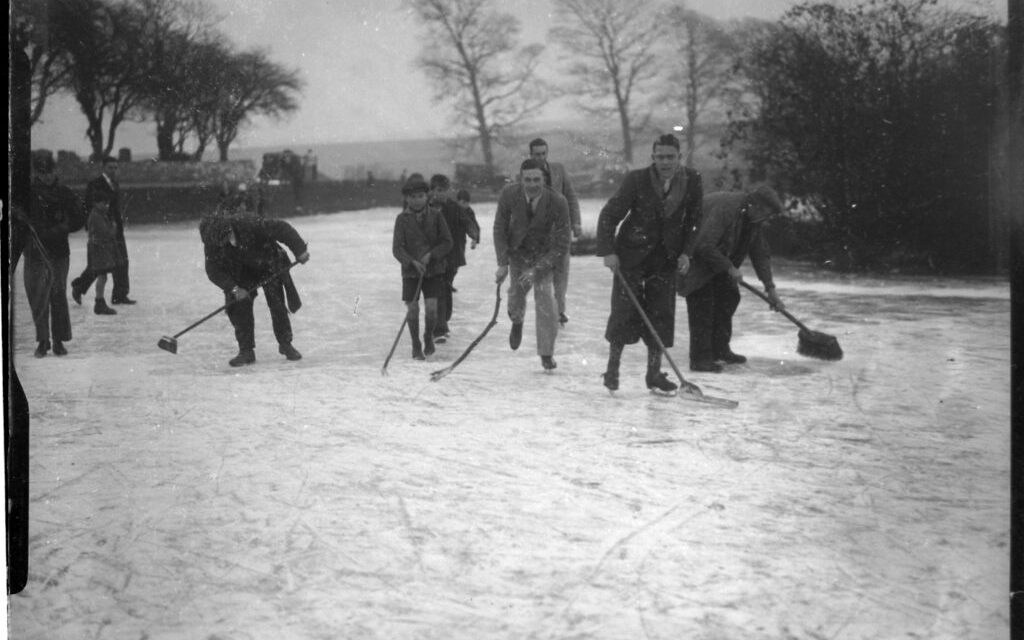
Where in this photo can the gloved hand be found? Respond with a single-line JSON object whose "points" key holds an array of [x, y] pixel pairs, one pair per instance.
{"points": [[501, 274], [612, 261], [684, 264], [420, 267], [776, 302], [304, 257], [239, 293]]}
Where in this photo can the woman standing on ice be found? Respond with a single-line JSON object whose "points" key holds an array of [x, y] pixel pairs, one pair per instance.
{"points": [[647, 232], [103, 252], [242, 252], [421, 242]]}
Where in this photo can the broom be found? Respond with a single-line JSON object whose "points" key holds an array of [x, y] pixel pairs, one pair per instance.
{"points": [[813, 344]]}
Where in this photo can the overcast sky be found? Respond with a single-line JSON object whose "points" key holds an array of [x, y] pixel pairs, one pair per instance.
{"points": [[357, 60]]}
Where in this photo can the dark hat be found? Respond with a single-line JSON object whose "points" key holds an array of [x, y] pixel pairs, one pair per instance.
{"points": [[215, 229], [415, 184], [42, 161]]}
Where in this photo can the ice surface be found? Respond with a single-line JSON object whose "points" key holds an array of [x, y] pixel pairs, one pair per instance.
{"points": [[174, 497]]}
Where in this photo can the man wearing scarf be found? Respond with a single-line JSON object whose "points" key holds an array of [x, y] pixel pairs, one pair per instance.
{"points": [[647, 232]]}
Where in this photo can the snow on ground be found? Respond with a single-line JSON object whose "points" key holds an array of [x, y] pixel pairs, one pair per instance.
{"points": [[174, 497]]}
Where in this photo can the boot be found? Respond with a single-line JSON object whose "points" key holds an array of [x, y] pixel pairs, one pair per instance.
{"points": [[611, 375], [288, 351], [417, 346], [658, 381], [548, 363], [428, 335], [728, 357], [515, 338], [76, 295], [44, 346], [244, 357], [101, 308], [58, 348], [705, 366]]}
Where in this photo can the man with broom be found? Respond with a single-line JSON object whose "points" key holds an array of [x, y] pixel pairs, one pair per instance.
{"points": [[242, 252], [646, 233], [733, 228]]}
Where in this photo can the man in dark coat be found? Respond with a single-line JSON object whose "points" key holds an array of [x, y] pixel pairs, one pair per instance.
{"points": [[461, 224], [54, 213], [647, 232], [733, 228], [531, 235], [422, 243], [107, 183], [242, 251]]}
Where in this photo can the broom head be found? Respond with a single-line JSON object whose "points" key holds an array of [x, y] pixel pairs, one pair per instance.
{"points": [[168, 344], [815, 344]]}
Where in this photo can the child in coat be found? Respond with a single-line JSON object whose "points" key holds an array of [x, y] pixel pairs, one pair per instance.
{"points": [[103, 251]]}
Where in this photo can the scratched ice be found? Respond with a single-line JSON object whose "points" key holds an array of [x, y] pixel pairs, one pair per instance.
{"points": [[174, 497]]}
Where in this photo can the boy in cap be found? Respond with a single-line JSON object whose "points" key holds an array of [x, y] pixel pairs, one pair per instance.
{"points": [[421, 243]]}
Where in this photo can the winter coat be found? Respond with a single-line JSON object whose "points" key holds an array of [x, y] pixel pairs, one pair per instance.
{"points": [[102, 185], [54, 213], [256, 254], [104, 250], [539, 242], [461, 222], [412, 240], [558, 180], [725, 239], [648, 219]]}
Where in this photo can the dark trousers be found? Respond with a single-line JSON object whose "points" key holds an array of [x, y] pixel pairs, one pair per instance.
{"points": [[119, 274], [656, 294], [241, 315], [46, 281], [710, 310]]}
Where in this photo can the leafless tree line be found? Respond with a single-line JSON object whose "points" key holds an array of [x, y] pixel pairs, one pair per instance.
{"points": [[149, 60]]}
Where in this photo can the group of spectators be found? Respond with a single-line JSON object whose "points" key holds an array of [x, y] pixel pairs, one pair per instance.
{"points": [[41, 233]]}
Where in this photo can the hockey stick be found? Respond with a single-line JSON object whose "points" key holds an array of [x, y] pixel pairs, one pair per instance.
{"points": [[688, 390], [440, 373], [405, 321], [170, 343]]}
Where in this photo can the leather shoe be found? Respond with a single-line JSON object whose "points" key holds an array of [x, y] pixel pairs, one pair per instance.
{"points": [[728, 357], [562, 318], [515, 338], [101, 308], [288, 351], [611, 379], [41, 350], [244, 357], [548, 362], [58, 348], [76, 295], [124, 300], [706, 367]]}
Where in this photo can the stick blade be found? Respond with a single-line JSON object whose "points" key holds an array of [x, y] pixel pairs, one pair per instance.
{"points": [[168, 344], [815, 344]]}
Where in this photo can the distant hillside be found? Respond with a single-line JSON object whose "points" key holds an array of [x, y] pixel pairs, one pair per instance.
{"points": [[583, 151]]}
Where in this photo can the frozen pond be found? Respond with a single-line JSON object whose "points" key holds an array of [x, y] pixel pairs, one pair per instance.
{"points": [[174, 497]]}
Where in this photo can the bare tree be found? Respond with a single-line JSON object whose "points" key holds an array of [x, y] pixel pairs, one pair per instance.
{"points": [[703, 79], [473, 61], [30, 24], [106, 47], [176, 32], [251, 85], [612, 48]]}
